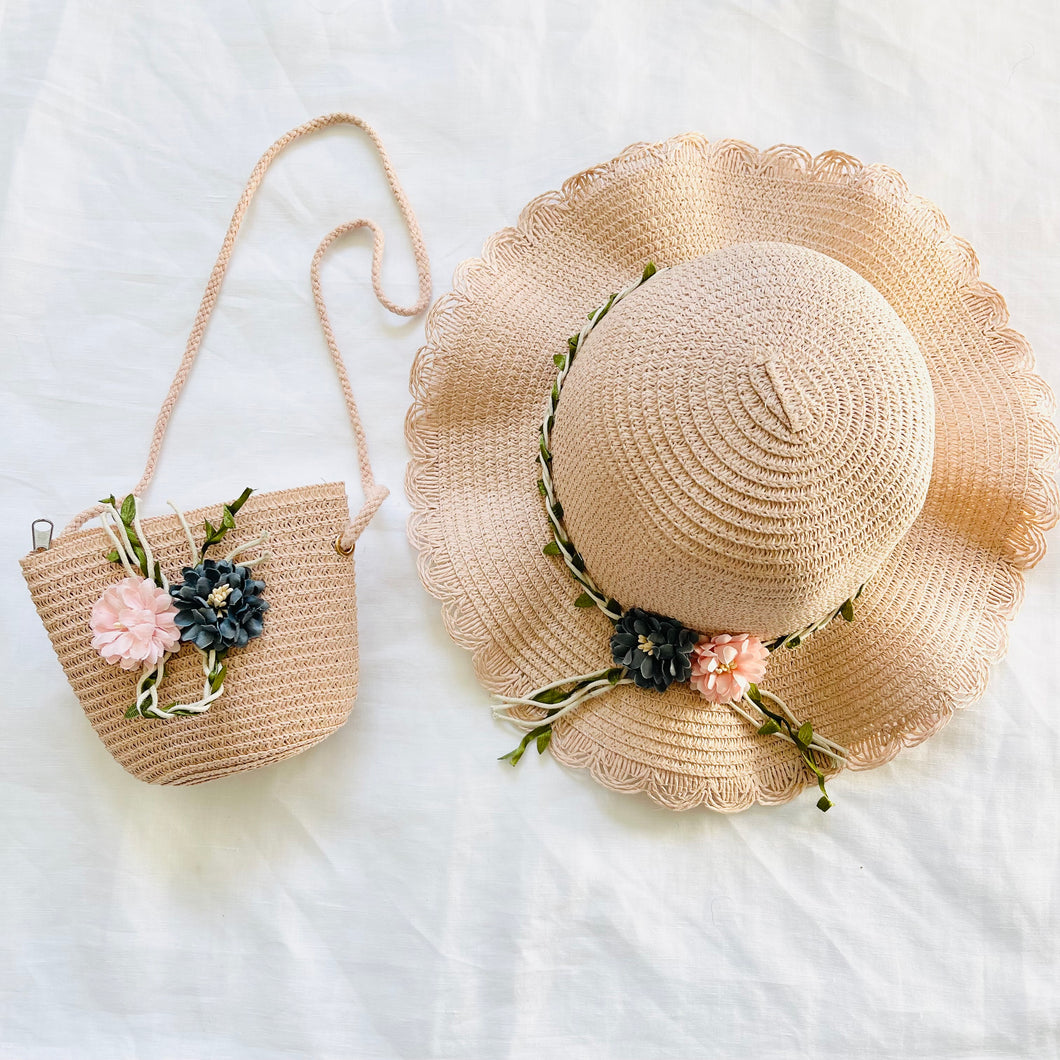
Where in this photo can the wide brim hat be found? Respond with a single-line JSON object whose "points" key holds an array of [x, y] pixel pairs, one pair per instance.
{"points": [[932, 617]]}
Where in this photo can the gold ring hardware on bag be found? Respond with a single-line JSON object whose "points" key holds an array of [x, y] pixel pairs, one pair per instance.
{"points": [[266, 700]]}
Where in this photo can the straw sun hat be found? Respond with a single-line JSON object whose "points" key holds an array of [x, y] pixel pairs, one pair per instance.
{"points": [[726, 466]]}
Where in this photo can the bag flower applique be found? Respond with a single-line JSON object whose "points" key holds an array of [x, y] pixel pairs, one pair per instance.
{"points": [[144, 619], [219, 605], [133, 624]]}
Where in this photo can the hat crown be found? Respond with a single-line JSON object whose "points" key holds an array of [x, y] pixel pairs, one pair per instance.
{"points": [[743, 440]]}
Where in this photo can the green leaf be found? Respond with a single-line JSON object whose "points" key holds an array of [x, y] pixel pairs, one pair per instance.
{"points": [[557, 510], [577, 562], [113, 556], [598, 314], [517, 753], [141, 558], [616, 674], [544, 450], [572, 343], [614, 605], [553, 695], [211, 530], [551, 549], [585, 600], [228, 520], [559, 359], [133, 711], [543, 741], [805, 733], [217, 678], [240, 500], [109, 500], [847, 610], [794, 642], [754, 695], [824, 804], [769, 728], [813, 767], [541, 487], [649, 271], [128, 510]]}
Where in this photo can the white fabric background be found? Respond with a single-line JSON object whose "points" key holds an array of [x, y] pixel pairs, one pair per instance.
{"points": [[396, 892]]}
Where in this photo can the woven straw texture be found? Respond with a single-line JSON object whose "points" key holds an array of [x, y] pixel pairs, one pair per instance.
{"points": [[766, 433], [284, 692], [932, 618]]}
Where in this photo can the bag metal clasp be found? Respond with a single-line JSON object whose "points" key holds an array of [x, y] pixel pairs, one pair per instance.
{"points": [[42, 534]]}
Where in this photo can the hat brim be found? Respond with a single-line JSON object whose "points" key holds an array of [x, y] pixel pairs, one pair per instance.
{"points": [[928, 625]]}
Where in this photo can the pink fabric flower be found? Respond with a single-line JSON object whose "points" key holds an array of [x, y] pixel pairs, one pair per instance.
{"points": [[132, 623], [725, 666]]}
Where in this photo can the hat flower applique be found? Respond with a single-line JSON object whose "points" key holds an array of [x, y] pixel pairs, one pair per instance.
{"points": [[726, 666], [656, 651], [143, 620], [653, 651]]}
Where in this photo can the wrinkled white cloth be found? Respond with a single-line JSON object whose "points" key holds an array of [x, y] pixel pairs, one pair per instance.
{"points": [[396, 892]]}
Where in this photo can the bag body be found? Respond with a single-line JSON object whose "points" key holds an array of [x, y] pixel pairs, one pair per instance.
{"points": [[285, 691], [294, 681]]}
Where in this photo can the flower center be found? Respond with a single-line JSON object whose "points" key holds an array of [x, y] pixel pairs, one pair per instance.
{"points": [[218, 599], [646, 645]]}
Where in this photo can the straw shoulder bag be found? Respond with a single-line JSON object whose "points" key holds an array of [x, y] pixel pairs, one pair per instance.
{"points": [[190, 640]]}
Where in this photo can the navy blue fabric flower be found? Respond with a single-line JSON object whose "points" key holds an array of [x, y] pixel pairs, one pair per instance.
{"points": [[656, 650], [219, 605]]}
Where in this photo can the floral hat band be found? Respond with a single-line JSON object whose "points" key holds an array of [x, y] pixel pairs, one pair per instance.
{"points": [[809, 428], [804, 454]]}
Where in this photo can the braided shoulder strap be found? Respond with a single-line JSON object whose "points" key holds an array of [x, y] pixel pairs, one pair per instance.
{"points": [[374, 494]]}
